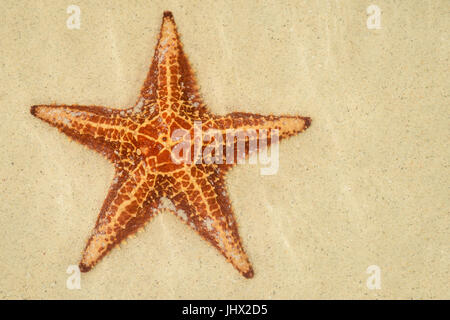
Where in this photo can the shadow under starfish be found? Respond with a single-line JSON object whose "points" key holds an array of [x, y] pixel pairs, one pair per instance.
{"points": [[138, 141]]}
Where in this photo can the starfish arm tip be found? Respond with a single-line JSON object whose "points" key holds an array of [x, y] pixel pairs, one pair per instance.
{"points": [[83, 267], [307, 122], [33, 110], [249, 274], [168, 14]]}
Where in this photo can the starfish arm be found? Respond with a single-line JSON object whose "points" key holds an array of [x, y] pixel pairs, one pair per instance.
{"points": [[286, 125], [171, 80], [130, 204], [240, 129], [201, 201], [104, 130]]}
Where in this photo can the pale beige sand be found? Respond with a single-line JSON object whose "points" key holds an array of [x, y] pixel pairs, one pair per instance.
{"points": [[367, 184]]}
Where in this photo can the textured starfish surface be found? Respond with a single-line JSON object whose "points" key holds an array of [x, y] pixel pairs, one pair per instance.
{"points": [[138, 141]]}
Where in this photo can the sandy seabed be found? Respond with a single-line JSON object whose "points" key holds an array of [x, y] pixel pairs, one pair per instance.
{"points": [[366, 185]]}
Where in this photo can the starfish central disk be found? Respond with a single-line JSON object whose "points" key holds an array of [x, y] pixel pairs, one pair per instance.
{"points": [[139, 142]]}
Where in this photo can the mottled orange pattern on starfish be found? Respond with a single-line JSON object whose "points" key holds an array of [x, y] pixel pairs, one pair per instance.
{"points": [[138, 141]]}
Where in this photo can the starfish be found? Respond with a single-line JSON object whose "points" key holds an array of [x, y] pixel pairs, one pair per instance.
{"points": [[139, 140]]}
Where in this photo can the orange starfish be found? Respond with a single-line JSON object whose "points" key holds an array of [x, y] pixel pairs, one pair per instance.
{"points": [[139, 141]]}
